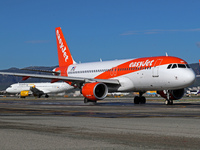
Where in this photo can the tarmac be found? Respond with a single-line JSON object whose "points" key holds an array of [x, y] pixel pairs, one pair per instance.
{"points": [[68, 123]]}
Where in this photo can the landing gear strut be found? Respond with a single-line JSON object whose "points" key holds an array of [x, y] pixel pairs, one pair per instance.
{"points": [[140, 99], [168, 101]]}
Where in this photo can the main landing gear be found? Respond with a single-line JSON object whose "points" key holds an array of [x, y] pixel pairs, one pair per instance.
{"points": [[89, 101], [140, 99]]}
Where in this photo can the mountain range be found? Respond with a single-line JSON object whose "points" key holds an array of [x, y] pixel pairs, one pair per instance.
{"points": [[6, 81]]}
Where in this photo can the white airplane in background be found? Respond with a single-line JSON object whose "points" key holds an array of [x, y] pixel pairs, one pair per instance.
{"points": [[166, 74], [38, 89]]}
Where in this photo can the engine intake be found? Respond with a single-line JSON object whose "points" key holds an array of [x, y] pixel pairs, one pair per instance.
{"points": [[95, 91], [173, 94]]}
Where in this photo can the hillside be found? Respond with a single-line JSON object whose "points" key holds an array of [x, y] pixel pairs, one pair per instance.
{"points": [[6, 81]]}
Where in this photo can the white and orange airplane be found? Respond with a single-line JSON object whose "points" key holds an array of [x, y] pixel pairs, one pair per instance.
{"points": [[165, 74]]}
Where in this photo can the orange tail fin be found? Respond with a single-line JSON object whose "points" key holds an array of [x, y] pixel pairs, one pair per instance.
{"points": [[64, 55], [199, 62]]}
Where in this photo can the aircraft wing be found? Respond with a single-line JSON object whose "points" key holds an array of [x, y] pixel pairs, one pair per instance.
{"points": [[36, 91], [63, 78]]}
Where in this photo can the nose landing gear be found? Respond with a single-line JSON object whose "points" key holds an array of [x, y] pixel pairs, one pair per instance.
{"points": [[168, 101]]}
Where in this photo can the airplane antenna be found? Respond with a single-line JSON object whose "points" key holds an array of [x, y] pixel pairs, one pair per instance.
{"points": [[166, 54]]}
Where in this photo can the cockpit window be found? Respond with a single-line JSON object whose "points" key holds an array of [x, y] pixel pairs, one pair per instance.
{"points": [[181, 66], [187, 66], [174, 66], [169, 66]]}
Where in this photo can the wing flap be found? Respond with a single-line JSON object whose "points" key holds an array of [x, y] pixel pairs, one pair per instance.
{"points": [[37, 70]]}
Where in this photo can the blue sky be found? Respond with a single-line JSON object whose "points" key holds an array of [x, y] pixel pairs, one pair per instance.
{"points": [[94, 29]]}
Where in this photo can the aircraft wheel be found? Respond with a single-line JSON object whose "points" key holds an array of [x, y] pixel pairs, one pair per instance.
{"points": [[85, 100], [169, 102], [89, 102], [142, 100], [136, 100]]}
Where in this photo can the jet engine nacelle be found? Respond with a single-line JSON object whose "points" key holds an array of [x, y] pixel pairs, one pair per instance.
{"points": [[24, 94], [173, 94], [95, 91]]}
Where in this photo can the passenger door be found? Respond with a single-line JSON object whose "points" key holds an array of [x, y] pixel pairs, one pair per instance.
{"points": [[155, 69]]}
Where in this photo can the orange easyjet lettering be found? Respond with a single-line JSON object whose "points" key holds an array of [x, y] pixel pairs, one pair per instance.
{"points": [[141, 63], [62, 47]]}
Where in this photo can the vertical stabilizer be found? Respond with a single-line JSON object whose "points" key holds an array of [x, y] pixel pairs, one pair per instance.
{"points": [[199, 63], [64, 55]]}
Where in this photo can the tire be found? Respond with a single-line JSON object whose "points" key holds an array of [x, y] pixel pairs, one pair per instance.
{"points": [[142, 100], [166, 102], [85, 100], [171, 102], [136, 100]]}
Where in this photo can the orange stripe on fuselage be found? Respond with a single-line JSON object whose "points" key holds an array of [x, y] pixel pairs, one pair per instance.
{"points": [[139, 64]]}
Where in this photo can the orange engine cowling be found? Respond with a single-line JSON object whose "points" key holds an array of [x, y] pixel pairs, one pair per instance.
{"points": [[173, 94], [95, 91]]}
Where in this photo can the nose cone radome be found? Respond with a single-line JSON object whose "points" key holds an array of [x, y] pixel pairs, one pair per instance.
{"points": [[8, 90], [189, 77]]}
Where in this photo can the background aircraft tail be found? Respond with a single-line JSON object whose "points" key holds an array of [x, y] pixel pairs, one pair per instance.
{"points": [[64, 55], [199, 62]]}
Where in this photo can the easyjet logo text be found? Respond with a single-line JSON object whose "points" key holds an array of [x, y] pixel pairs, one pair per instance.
{"points": [[61, 45], [141, 63]]}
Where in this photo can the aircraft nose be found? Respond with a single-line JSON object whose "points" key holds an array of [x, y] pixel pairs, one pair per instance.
{"points": [[190, 77], [8, 90]]}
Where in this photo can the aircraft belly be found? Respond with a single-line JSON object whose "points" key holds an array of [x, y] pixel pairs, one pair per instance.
{"points": [[144, 81]]}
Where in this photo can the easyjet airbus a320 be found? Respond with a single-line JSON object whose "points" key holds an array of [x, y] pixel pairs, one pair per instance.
{"points": [[165, 74]]}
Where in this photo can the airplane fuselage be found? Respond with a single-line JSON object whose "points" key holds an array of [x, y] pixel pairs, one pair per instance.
{"points": [[44, 87], [141, 74]]}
